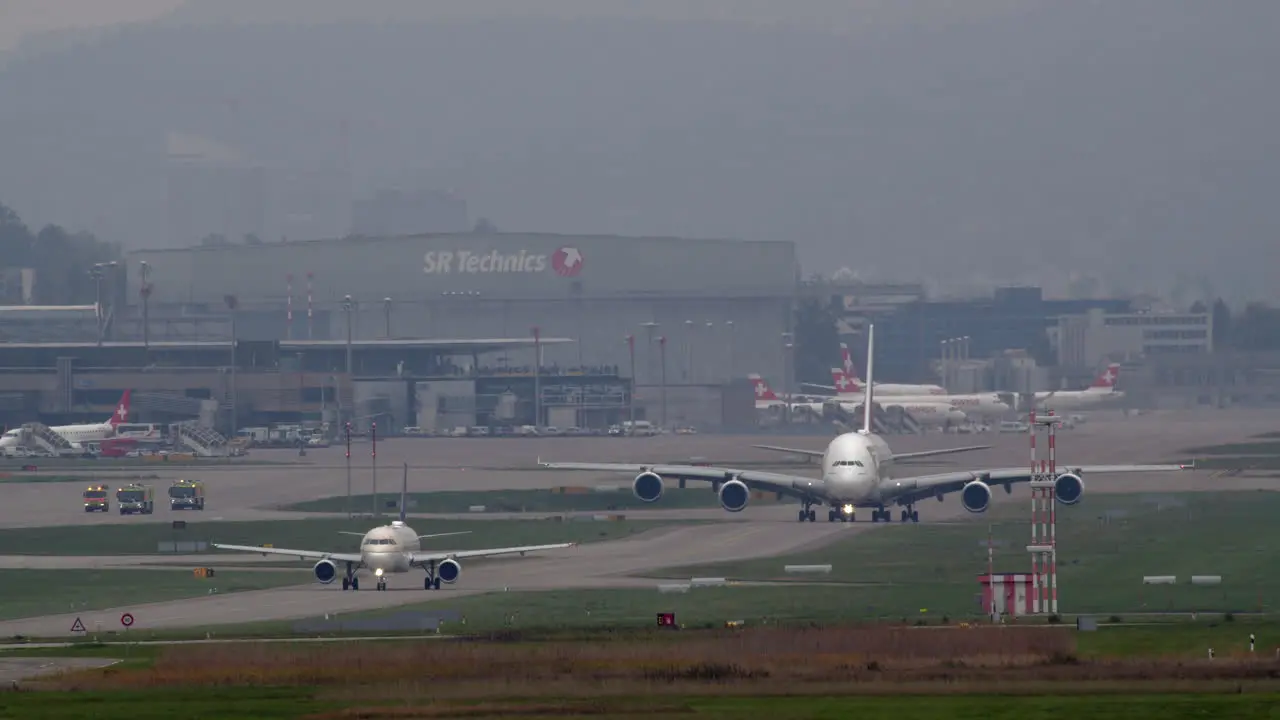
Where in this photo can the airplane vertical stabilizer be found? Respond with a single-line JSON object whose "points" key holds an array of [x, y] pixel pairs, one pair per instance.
{"points": [[868, 397]]}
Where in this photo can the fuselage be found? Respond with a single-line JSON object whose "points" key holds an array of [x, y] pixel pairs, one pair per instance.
{"points": [[896, 390], [927, 414], [855, 467], [975, 403], [74, 434], [387, 549], [1075, 399]]}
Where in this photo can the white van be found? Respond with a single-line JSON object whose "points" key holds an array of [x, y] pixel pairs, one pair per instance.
{"points": [[641, 428]]}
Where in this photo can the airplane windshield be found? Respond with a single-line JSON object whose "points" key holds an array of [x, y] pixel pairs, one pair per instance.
{"points": [[182, 492], [848, 463], [379, 541]]}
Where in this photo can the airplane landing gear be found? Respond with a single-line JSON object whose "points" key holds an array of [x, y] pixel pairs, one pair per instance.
{"points": [[807, 513], [350, 581], [881, 515], [431, 582], [910, 514], [382, 584]]}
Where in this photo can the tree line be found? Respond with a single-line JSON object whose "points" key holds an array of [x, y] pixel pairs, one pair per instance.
{"points": [[62, 261]]}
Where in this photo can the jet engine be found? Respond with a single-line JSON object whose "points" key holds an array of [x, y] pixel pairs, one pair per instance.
{"points": [[325, 571], [976, 496], [734, 495], [448, 571], [1068, 488], [647, 486]]}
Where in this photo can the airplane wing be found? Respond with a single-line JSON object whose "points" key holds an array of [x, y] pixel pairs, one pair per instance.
{"points": [[896, 456], [424, 556], [796, 451], [793, 485], [931, 453], [920, 487], [300, 554]]}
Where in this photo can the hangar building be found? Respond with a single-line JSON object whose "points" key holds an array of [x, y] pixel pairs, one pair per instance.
{"points": [[721, 305]]}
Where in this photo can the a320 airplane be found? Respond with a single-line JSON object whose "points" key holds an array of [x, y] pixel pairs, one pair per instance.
{"points": [[928, 413], [78, 434], [858, 471], [852, 384], [393, 548], [1102, 390]]}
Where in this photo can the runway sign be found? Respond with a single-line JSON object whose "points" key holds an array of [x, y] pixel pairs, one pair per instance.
{"points": [[126, 619], [77, 626], [666, 619]]}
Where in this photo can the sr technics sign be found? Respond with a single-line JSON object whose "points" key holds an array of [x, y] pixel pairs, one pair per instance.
{"points": [[565, 261]]}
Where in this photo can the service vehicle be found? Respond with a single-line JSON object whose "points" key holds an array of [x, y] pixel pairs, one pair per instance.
{"points": [[135, 499], [95, 499], [186, 495]]}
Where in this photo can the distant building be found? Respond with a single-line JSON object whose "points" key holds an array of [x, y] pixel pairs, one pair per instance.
{"points": [[1088, 340]]}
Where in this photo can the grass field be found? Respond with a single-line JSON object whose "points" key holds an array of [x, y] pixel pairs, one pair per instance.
{"points": [[282, 703], [143, 538], [1107, 545], [508, 501], [1267, 447], [30, 593]]}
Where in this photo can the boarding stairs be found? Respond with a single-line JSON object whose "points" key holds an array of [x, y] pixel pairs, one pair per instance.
{"points": [[43, 437], [884, 421], [203, 441]]}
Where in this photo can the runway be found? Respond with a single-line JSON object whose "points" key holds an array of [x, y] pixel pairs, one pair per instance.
{"points": [[254, 493]]}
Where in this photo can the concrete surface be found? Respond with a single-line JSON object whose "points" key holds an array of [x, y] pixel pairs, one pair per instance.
{"points": [[251, 493]]}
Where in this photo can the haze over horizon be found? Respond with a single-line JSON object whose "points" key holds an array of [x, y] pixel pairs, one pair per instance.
{"points": [[980, 142]]}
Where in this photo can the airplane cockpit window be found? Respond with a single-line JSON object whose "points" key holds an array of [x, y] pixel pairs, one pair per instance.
{"points": [[849, 463]]}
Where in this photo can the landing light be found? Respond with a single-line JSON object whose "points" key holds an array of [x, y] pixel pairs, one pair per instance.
{"points": [[378, 572], [847, 509]]}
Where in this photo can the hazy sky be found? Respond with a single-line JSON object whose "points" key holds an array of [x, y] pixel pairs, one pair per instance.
{"points": [[967, 142]]}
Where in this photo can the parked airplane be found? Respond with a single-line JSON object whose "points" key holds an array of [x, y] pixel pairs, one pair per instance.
{"points": [[767, 399], [985, 404], [393, 548], [854, 385], [859, 470], [78, 434], [1102, 390]]}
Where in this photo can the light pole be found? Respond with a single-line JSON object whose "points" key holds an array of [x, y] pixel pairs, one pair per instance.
{"points": [[373, 437], [648, 352], [145, 291], [347, 306], [631, 396], [97, 272], [537, 376], [786, 376], [386, 306], [733, 358], [232, 303], [662, 351], [944, 364], [688, 346], [711, 343], [347, 426]]}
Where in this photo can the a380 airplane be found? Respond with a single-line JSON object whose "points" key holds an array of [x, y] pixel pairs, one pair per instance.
{"points": [[78, 434], [393, 548], [859, 470]]}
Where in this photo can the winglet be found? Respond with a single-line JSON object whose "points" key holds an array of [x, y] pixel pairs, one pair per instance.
{"points": [[404, 492], [868, 397]]}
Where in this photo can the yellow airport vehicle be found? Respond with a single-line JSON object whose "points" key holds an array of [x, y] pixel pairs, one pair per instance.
{"points": [[95, 499], [134, 498], [186, 495]]}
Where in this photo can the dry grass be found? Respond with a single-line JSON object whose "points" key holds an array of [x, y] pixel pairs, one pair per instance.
{"points": [[866, 659]]}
